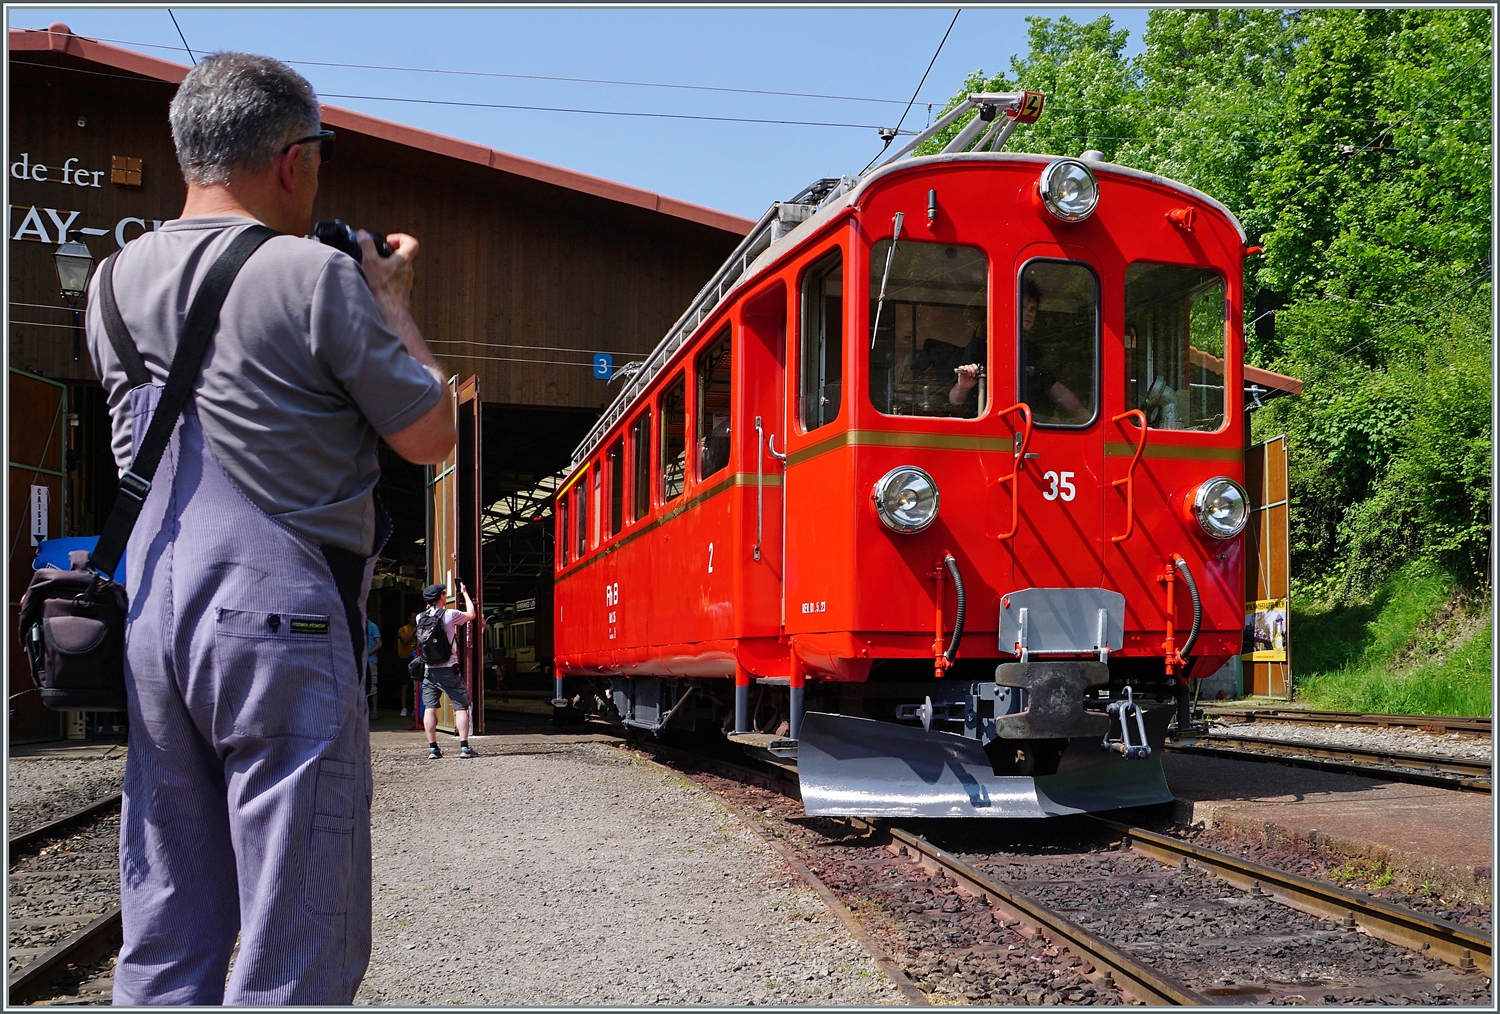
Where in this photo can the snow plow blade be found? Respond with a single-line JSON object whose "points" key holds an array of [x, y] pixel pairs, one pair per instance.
{"points": [[858, 767]]}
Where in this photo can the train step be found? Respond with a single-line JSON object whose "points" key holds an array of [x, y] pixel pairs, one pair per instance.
{"points": [[778, 746]]}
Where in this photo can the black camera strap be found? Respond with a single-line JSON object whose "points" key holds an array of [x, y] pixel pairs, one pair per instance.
{"points": [[187, 364]]}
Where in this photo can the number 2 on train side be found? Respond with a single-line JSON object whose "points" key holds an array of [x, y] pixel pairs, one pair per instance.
{"points": [[1062, 486]]}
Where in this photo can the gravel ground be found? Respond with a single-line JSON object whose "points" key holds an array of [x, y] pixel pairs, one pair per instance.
{"points": [[1405, 740], [549, 872], [39, 789], [955, 948]]}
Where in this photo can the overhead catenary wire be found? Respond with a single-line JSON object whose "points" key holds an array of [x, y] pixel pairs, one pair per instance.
{"points": [[1053, 109], [1479, 274], [605, 112], [804, 123], [510, 359], [182, 37], [530, 77], [538, 348], [897, 130]]}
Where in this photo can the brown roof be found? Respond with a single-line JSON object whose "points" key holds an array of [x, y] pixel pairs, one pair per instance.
{"points": [[1275, 383], [58, 38]]}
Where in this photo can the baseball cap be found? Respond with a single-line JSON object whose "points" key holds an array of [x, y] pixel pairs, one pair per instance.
{"points": [[432, 592]]}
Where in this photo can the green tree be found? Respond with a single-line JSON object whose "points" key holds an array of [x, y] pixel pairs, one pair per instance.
{"points": [[1354, 145]]}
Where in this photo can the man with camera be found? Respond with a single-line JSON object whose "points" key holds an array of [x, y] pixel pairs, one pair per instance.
{"points": [[437, 641], [247, 788]]}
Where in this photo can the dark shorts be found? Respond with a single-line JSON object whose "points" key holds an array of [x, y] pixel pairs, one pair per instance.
{"points": [[444, 680]]}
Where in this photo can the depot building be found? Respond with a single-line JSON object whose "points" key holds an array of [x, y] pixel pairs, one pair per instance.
{"points": [[534, 284]]}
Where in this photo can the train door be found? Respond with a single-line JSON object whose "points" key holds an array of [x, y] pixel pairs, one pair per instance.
{"points": [[1060, 538], [763, 409], [453, 545]]}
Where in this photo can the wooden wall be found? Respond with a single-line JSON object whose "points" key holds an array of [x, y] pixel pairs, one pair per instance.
{"points": [[505, 260]]}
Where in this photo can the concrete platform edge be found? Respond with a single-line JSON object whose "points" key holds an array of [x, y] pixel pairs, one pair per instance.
{"points": [[1410, 870]]}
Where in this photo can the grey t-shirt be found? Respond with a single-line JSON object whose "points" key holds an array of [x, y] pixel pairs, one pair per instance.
{"points": [[300, 377]]}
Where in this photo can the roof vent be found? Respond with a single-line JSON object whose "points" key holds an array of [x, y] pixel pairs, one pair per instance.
{"points": [[1092, 155]]}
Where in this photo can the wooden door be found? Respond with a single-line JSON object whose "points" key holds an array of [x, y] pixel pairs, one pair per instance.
{"points": [[1267, 651], [38, 437], [453, 545]]}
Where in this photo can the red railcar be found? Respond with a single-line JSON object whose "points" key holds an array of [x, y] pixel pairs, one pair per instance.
{"points": [[936, 486]]}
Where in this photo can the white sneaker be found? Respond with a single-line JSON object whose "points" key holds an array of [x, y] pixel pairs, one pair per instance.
{"points": [[403, 712]]}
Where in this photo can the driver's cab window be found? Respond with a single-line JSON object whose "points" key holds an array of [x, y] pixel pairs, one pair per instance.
{"points": [[822, 360], [1058, 341], [929, 348], [1175, 324]]}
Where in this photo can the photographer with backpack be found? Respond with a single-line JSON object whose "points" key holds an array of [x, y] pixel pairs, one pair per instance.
{"points": [[437, 646]]}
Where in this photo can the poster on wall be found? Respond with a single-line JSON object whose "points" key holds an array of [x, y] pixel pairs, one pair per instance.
{"points": [[1265, 631]]}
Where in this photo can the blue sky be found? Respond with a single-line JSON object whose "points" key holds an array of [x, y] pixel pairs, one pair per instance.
{"points": [[862, 53]]}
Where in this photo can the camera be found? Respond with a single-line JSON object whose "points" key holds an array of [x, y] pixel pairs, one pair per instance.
{"points": [[341, 236]]}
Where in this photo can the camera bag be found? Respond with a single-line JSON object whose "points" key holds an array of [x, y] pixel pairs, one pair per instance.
{"points": [[73, 621]]}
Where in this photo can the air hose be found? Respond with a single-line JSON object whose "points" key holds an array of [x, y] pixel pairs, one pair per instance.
{"points": [[958, 617], [1192, 586]]}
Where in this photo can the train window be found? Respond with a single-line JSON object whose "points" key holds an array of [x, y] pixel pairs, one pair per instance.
{"points": [[1058, 325], [1175, 322], [932, 324], [563, 532], [822, 365], [581, 510], [673, 439], [598, 505], [640, 443], [713, 406], [616, 457]]}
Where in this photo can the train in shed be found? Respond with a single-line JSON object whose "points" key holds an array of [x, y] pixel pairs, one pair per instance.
{"points": [[936, 486]]}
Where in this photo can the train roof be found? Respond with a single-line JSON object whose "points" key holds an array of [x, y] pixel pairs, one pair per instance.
{"points": [[780, 229]]}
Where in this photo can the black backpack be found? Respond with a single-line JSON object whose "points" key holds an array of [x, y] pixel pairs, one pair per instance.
{"points": [[433, 645]]}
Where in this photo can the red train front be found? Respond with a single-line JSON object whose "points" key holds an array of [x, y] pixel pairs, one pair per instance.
{"points": [[936, 486]]}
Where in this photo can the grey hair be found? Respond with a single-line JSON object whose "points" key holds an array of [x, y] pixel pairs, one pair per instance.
{"points": [[238, 111]]}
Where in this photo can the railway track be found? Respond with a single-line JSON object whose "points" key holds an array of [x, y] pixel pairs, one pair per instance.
{"points": [[1442, 959], [1467, 727], [1456, 945], [1423, 769], [64, 912]]}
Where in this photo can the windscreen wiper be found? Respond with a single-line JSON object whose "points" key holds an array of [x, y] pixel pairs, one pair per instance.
{"points": [[889, 258]]}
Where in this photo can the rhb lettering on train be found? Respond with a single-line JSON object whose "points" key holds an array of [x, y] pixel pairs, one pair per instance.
{"points": [[814, 607]]}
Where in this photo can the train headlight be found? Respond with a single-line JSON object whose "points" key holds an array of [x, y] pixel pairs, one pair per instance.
{"points": [[906, 499], [1221, 507], [1069, 190]]}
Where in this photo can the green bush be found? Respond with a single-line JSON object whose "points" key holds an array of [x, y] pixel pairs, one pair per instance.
{"points": [[1414, 646]]}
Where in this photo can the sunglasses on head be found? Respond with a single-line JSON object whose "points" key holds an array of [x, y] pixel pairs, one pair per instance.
{"points": [[325, 144]]}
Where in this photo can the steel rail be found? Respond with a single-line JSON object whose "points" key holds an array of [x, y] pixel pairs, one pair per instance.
{"points": [[1422, 769], [1424, 723], [1140, 981], [27, 841], [1454, 944], [90, 942]]}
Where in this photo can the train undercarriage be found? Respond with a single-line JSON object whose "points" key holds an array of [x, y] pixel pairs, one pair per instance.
{"points": [[992, 738]]}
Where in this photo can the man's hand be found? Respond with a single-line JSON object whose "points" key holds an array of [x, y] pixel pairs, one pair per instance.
{"points": [[1065, 399], [390, 277], [968, 379]]}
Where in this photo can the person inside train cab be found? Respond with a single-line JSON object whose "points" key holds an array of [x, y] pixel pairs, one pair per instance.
{"points": [[1042, 361], [245, 822]]}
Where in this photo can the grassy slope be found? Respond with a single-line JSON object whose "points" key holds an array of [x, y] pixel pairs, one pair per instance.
{"points": [[1414, 647]]}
